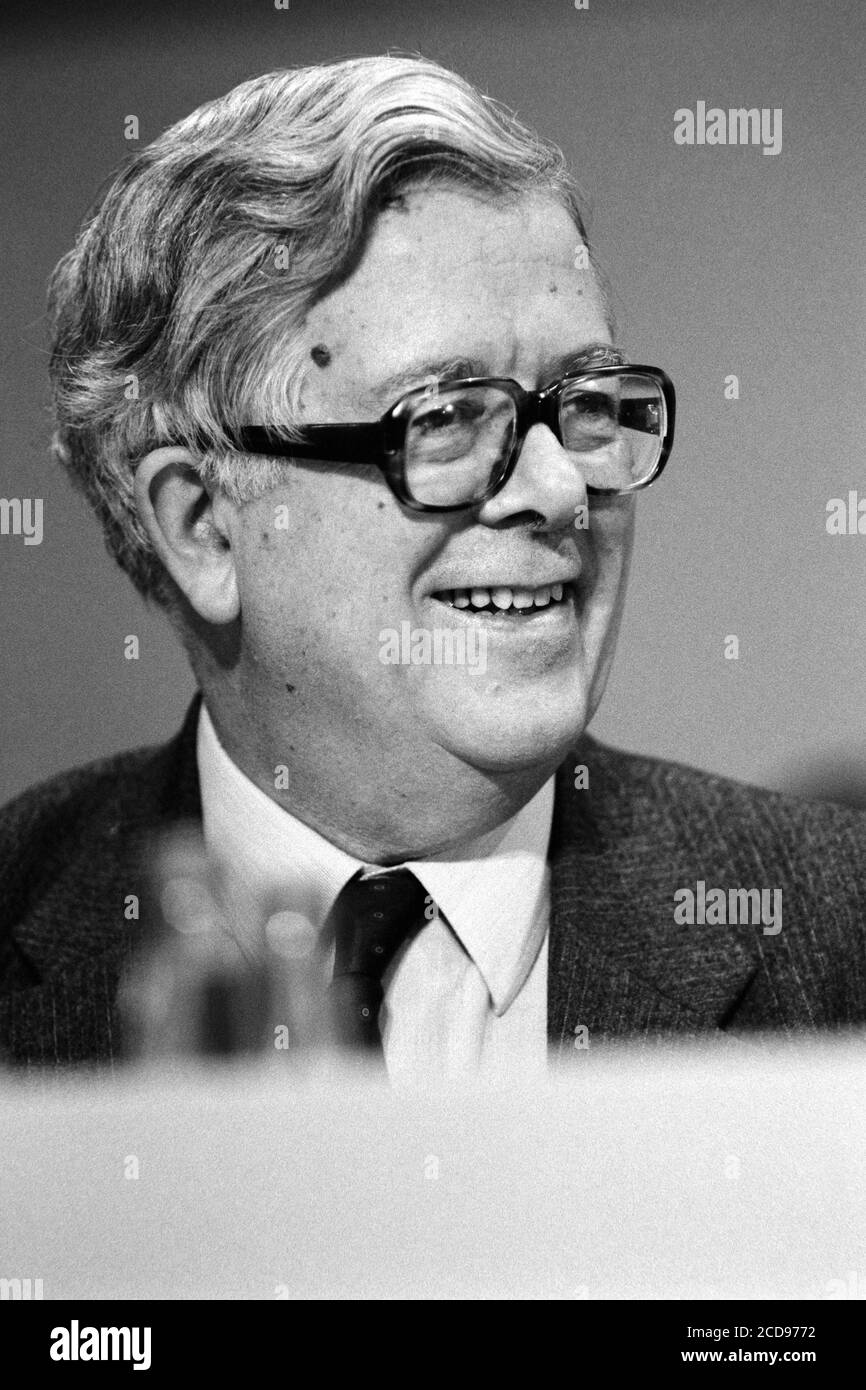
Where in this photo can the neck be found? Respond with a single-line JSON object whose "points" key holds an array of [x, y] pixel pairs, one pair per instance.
{"points": [[381, 807]]}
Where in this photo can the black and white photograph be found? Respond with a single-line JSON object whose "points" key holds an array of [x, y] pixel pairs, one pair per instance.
{"points": [[433, 789]]}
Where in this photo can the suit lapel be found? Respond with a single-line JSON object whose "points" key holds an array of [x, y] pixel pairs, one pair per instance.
{"points": [[618, 963]]}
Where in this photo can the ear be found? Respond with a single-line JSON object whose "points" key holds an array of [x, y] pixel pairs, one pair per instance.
{"points": [[188, 525]]}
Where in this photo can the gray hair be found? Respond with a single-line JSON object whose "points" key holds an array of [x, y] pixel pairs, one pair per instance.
{"points": [[176, 315]]}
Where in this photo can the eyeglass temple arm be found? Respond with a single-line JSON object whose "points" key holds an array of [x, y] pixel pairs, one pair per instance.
{"points": [[361, 443]]}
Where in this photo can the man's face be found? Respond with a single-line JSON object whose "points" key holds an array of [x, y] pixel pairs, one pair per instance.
{"points": [[444, 276]]}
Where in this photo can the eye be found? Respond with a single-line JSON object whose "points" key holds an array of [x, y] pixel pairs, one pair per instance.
{"points": [[591, 405], [447, 415]]}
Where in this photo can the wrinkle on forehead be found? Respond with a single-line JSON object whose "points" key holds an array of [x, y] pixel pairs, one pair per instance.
{"points": [[407, 248], [449, 232], [491, 222]]}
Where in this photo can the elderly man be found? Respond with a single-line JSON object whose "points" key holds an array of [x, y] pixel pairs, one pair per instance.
{"points": [[336, 369]]}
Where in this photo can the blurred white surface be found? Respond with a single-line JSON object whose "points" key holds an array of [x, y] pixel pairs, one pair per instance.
{"points": [[673, 1173]]}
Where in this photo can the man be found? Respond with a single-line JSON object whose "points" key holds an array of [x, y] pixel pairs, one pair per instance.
{"points": [[335, 367]]}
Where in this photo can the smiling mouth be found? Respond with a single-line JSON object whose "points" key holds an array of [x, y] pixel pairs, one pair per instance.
{"points": [[507, 601]]}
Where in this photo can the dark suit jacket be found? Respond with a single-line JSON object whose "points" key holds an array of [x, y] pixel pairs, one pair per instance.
{"points": [[620, 966]]}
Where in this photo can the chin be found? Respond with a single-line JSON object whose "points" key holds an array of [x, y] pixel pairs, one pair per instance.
{"points": [[499, 726]]}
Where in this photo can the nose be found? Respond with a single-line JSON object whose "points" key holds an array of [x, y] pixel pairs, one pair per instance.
{"points": [[546, 482]]}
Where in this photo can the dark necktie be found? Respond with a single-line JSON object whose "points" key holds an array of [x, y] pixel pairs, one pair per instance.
{"points": [[372, 917]]}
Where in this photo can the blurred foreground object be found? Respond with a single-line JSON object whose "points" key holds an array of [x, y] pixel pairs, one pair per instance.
{"points": [[195, 991], [677, 1171]]}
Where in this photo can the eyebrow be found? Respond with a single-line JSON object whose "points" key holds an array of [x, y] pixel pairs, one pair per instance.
{"points": [[455, 368]]}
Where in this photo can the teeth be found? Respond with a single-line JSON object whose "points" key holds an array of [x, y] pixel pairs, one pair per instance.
{"points": [[504, 597]]}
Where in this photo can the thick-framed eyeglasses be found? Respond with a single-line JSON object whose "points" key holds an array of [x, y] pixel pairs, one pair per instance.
{"points": [[452, 445]]}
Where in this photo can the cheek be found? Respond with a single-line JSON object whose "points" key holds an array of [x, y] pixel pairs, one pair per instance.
{"points": [[612, 539], [276, 593], [315, 596], [292, 554]]}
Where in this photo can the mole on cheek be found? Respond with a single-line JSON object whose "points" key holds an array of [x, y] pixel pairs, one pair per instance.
{"points": [[321, 355]]}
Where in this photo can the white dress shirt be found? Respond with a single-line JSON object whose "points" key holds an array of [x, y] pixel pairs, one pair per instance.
{"points": [[467, 995]]}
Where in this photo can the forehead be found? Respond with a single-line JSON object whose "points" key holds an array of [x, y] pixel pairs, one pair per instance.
{"points": [[447, 274]]}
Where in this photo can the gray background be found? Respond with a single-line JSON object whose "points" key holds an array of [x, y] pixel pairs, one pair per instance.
{"points": [[724, 260]]}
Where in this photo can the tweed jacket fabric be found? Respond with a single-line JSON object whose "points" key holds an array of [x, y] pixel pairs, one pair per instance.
{"points": [[73, 849]]}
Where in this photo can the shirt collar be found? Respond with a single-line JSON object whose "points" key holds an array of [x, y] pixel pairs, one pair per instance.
{"points": [[491, 892]]}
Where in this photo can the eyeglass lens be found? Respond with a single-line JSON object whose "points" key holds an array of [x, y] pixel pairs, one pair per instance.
{"points": [[458, 438]]}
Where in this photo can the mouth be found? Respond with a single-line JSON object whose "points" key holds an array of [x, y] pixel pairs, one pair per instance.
{"points": [[516, 602]]}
